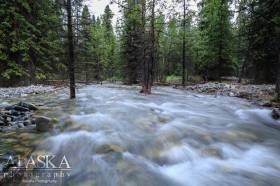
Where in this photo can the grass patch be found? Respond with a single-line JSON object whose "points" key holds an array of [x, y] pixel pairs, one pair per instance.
{"points": [[173, 78]]}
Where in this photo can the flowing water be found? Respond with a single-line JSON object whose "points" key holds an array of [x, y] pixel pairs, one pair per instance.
{"points": [[172, 137]]}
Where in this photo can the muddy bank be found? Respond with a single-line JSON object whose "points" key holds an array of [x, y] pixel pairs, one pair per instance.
{"points": [[261, 95]]}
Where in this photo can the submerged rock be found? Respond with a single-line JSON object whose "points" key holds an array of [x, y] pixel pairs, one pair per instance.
{"points": [[108, 148], [163, 119], [43, 124], [275, 114], [212, 152]]}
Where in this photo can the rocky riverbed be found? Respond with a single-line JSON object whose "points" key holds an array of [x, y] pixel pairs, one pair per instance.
{"points": [[261, 95], [19, 130], [20, 116], [17, 116]]}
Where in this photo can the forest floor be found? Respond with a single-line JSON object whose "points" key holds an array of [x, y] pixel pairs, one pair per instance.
{"points": [[261, 95]]}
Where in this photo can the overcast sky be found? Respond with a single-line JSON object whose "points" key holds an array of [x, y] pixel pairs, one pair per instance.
{"points": [[97, 7]]}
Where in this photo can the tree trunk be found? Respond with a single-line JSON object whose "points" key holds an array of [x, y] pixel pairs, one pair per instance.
{"points": [[184, 48], [71, 59], [146, 75], [31, 67], [149, 65], [221, 47], [241, 73], [98, 76], [278, 79], [153, 40], [86, 74]]}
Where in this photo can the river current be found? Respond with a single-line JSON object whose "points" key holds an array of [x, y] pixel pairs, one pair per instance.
{"points": [[171, 137]]}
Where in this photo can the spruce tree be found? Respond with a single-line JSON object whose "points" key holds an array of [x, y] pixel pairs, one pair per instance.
{"points": [[85, 50], [110, 42], [216, 36]]}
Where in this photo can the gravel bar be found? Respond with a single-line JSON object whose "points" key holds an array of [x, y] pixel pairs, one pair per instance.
{"points": [[23, 91]]}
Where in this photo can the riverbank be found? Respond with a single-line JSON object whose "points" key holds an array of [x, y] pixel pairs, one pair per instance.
{"points": [[23, 91], [261, 95]]}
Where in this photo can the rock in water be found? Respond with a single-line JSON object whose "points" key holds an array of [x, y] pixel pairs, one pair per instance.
{"points": [[9, 119], [20, 108], [265, 103], [27, 122], [20, 125], [108, 148], [27, 105], [43, 124], [19, 115], [8, 108], [1, 118], [245, 95], [275, 114], [15, 113]]}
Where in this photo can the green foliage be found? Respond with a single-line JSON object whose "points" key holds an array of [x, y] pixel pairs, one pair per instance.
{"points": [[109, 43], [131, 41], [85, 56], [27, 42], [173, 78], [171, 44], [213, 38], [96, 52], [33, 45], [263, 39]]}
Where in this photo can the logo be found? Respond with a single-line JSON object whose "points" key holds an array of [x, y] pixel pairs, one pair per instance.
{"points": [[35, 169]]}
